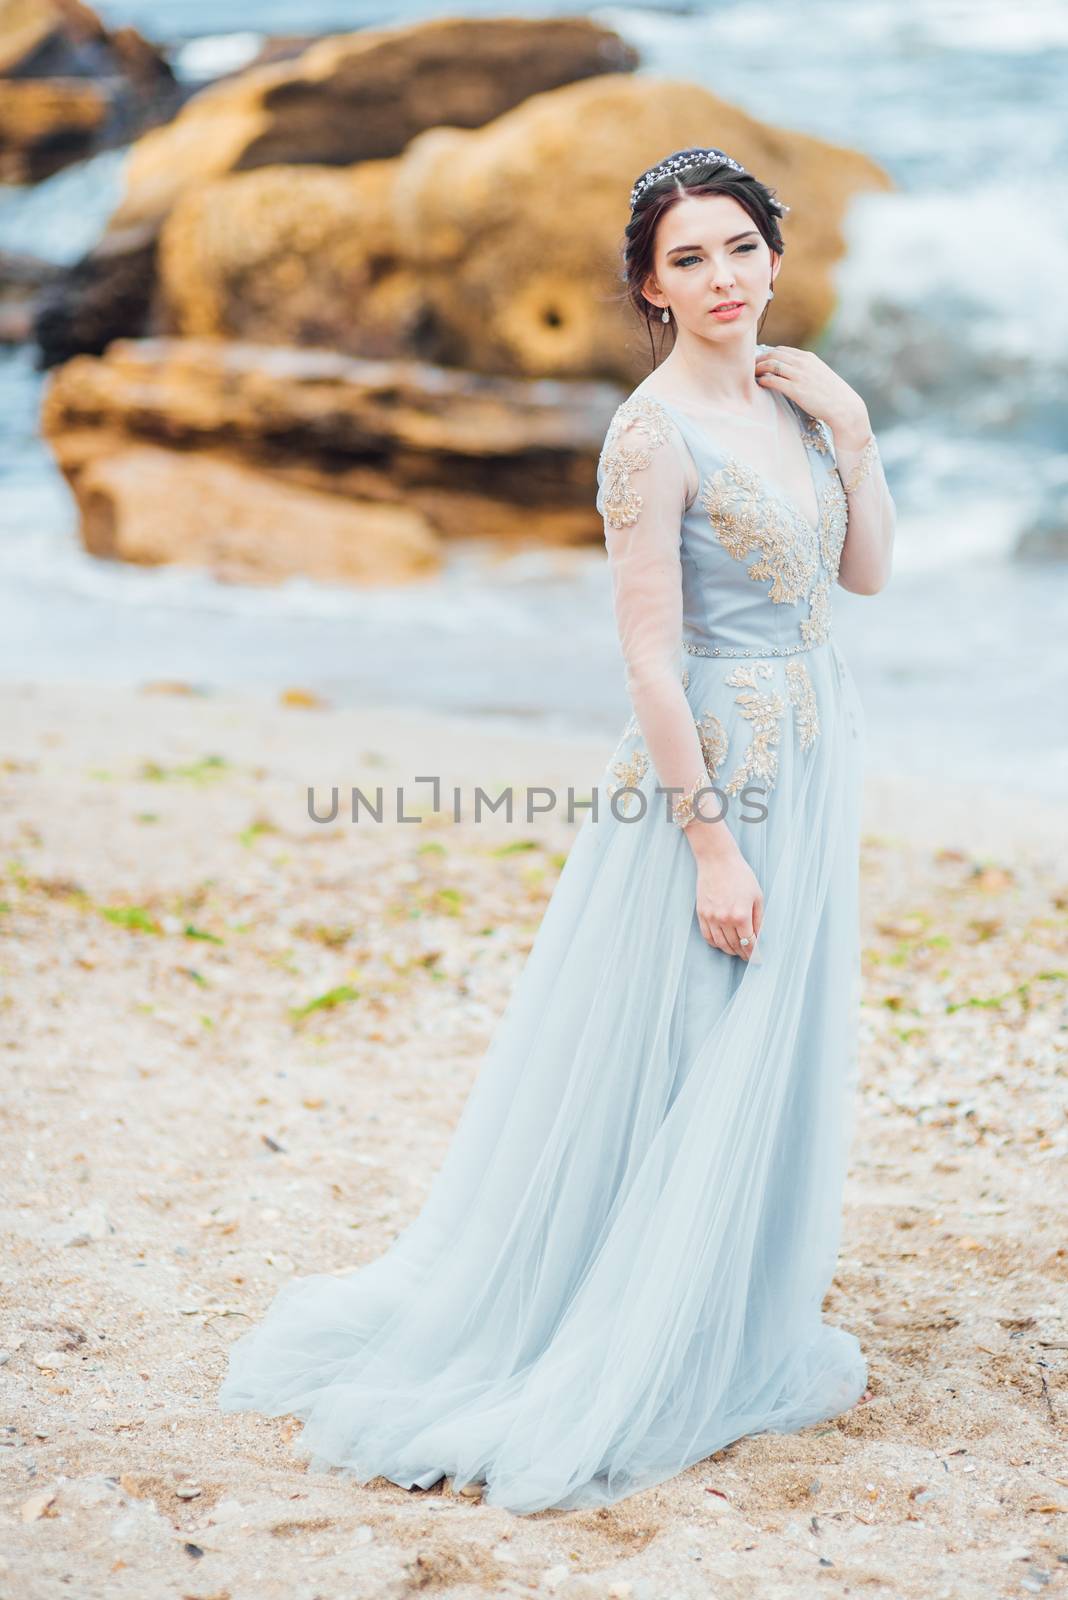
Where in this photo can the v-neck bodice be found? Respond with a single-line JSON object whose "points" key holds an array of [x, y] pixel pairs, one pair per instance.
{"points": [[733, 437], [756, 573]]}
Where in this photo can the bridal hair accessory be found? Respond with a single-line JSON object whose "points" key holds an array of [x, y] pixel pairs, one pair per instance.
{"points": [[679, 163]]}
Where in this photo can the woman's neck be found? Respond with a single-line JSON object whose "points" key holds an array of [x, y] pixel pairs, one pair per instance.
{"points": [[719, 377]]}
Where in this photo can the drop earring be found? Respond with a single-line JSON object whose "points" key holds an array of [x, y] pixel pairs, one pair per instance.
{"points": [[665, 315]]}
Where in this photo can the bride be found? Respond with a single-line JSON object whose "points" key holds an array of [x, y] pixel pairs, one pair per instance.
{"points": [[620, 1265]]}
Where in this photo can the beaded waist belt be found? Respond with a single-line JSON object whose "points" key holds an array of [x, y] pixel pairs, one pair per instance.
{"points": [[694, 649]]}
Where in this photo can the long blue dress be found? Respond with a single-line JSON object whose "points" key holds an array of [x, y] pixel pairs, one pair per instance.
{"points": [[620, 1265]]}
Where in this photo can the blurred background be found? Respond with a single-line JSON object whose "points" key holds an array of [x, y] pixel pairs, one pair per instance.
{"points": [[311, 330]]}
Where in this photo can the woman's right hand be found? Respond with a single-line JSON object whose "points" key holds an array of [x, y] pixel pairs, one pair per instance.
{"points": [[730, 903]]}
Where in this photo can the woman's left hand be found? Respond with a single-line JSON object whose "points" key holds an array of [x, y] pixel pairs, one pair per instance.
{"points": [[804, 378]]}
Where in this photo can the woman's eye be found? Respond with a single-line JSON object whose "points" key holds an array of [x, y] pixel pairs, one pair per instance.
{"points": [[741, 250]]}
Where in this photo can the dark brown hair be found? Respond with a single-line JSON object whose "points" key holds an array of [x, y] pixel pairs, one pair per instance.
{"points": [[709, 175]]}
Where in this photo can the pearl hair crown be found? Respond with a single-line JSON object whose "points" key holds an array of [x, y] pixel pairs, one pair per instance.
{"points": [[682, 163]]}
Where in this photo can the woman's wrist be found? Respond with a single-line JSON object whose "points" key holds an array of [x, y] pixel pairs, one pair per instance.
{"points": [[852, 433], [710, 840]]}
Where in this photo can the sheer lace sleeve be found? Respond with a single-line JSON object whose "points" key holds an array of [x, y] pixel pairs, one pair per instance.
{"points": [[872, 516], [642, 478]]}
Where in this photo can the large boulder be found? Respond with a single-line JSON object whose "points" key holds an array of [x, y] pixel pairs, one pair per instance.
{"points": [[149, 505], [494, 248], [109, 288], [70, 86], [66, 39], [313, 261], [362, 97], [47, 124], [354, 98], [392, 457]]}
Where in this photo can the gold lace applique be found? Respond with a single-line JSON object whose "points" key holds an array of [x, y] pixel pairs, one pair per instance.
{"points": [[714, 741], [713, 737], [619, 459], [683, 809], [630, 774], [765, 712], [816, 435], [816, 627], [865, 462], [834, 515], [802, 697], [745, 518]]}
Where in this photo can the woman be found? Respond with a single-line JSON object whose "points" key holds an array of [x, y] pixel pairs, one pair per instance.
{"points": [[620, 1266]]}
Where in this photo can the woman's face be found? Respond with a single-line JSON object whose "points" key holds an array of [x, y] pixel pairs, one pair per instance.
{"points": [[708, 250]]}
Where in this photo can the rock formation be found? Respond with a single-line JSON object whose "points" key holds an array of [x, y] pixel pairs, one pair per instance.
{"points": [[69, 86], [262, 461], [358, 97]]}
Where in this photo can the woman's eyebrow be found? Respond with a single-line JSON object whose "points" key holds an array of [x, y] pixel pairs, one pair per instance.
{"points": [[734, 236]]}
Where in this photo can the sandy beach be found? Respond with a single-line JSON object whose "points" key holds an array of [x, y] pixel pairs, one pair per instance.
{"points": [[234, 1043]]}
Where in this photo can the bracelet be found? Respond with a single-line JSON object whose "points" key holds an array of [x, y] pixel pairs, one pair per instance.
{"points": [[862, 467], [682, 810]]}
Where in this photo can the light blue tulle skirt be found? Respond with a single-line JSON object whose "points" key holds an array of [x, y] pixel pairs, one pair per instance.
{"points": [[620, 1265]]}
